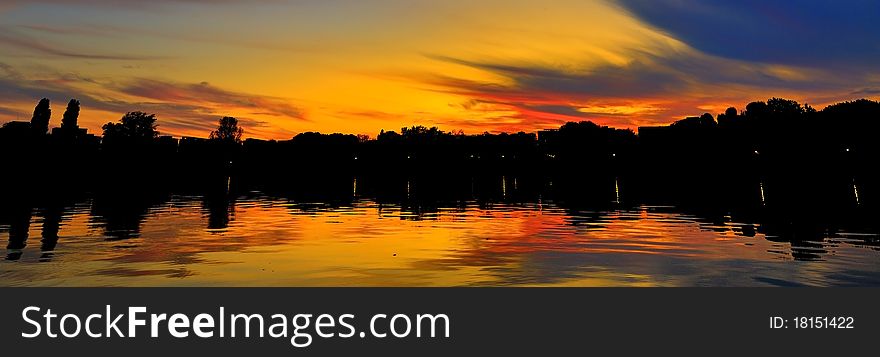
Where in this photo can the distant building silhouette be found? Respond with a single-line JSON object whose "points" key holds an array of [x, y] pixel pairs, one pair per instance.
{"points": [[15, 131]]}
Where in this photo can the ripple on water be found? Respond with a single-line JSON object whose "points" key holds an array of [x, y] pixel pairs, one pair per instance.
{"points": [[192, 240]]}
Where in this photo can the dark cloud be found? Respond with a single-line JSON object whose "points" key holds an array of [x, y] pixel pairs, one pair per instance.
{"points": [[817, 33], [621, 95], [867, 92], [14, 113], [131, 3], [557, 109], [634, 79], [207, 94], [182, 108], [648, 75], [15, 39], [14, 87], [738, 49], [96, 30]]}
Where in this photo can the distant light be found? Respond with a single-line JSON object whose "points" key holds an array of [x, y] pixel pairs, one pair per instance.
{"points": [[757, 153], [355, 157], [613, 155], [502, 156], [847, 149]]}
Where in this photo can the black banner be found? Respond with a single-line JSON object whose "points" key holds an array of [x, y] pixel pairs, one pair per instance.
{"points": [[436, 321]]}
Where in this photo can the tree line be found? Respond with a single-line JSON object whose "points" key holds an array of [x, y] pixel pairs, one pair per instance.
{"points": [[759, 123], [775, 151], [136, 126], [777, 131]]}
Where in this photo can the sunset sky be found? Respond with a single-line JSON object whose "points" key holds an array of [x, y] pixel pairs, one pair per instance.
{"points": [[285, 67]]}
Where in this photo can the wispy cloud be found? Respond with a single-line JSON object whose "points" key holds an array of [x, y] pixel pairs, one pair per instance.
{"points": [[184, 109], [206, 95], [115, 31], [130, 3], [651, 87], [16, 39], [15, 113]]}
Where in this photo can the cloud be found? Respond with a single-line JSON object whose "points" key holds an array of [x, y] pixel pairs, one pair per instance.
{"points": [[16, 39], [637, 78], [651, 87], [103, 30], [649, 75], [817, 33], [137, 5], [130, 3], [867, 92], [15, 87], [205, 94], [183, 109], [13, 113]]}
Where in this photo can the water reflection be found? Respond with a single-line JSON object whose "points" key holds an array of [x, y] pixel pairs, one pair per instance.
{"points": [[52, 216], [19, 229], [411, 232], [219, 203], [856, 192]]}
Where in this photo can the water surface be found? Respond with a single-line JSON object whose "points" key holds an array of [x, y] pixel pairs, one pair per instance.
{"points": [[256, 239]]}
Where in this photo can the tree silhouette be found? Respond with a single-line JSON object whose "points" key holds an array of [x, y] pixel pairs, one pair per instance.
{"points": [[227, 131], [731, 112], [728, 118], [707, 120], [138, 126], [784, 107], [69, 120], [40, 120], [421, 133], [756, 110], [808, 109], [388, 136]]}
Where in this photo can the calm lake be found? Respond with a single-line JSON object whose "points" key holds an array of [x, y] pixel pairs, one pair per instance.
{"points": [[257, 239]]}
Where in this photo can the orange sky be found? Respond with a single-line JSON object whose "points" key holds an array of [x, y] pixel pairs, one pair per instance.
{"points": [[284, 67]]}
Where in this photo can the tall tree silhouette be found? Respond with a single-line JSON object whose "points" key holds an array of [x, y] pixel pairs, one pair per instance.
{"points": [[134, 126], [69, 120], [40, 120], [227, 131]]}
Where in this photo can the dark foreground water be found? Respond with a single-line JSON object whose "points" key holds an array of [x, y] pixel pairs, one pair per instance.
{"points": [[256, 239]]}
